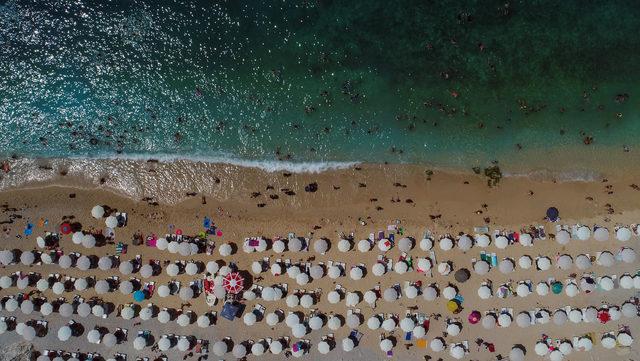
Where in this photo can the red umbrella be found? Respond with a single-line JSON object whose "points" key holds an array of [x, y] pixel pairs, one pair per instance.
{"points": [[233, 282], [474, 317], [65, 228], [604, 316]]}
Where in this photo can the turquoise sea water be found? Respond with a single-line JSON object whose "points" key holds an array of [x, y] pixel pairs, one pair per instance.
{"points": [[455, 83]]}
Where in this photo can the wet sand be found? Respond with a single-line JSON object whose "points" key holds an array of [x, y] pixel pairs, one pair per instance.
{"points": [[361, 201]]}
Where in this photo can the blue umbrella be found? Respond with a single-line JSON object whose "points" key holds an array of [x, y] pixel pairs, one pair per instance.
{"points": [[552, 214], [138, 296]]}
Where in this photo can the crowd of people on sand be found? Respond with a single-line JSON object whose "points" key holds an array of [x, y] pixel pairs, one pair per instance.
{"points": [[233, 292]]}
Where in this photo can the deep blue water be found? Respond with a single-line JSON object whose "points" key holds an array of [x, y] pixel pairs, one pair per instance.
{"points": [[457, 83]]}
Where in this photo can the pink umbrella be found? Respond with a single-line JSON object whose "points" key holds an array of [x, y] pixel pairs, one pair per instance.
{"points": [[474, 317], [233, 282]]}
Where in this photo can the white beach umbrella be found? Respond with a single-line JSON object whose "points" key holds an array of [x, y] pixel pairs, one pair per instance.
{"points": [[173, 247], [389, 324], [407, 324], [27, 258], [523, 290], [20, 328], [523, 320], [590, 314], [585, 344], [11, 305], [543, 263], [482, 240], [276, 269], [556, 355], [623, 234], [105, 263], [606, 283], [525, 262], [29, 333], [501, 242], [504, 320], [571, 290], [83, 309], [411, 292], [565, 347], [445, 244], [364, 245], [292, 320], [249, 295], [109, 340], [419, 331], [370, 297], [127, 313], [356, 273], [46, 258], [163, 291], [64, 333], [626, 281], [564, 262], [560, 317], [563, 237], [374, 323], [146, 313], [481, 267], [506, 266], [424, 264], [293, 271], [347, 344], [583, 262], [386, 345], [46, 309], [42, 285], [464, 243], [384, 245], [333, 297], [606, 259], [192, 269], [315, 323], [278, 246], [628, 255], [378, 269], [292, 301], [294, 245], [316, 271], [101, 287], [541, 348], [430, 293], [583, 233], [146, 271], [111, 222], [268, 294], [220, 348], [276, 347], [302, 279], [58, 288], [484, 292], [164, 316], [320, 245], [344, 245], [164, 344], [601, 234], [249, 319], [183, 320], [453, 329], [6, 282], [203, 321], [172, 270], [516, 354], [449, 292], [212, 267], [186, 293], [405, 244], [457, 352], [65, 261], [26, 307], [162, 244], [306, 301], [96, 310], [298, 330], [80, 284], [324, 347], [390, 294], [88, 241], [97, 211], [437, 345], [126, 268], [225, 250], [426, 244], [575, 315], [258, 349], [636, 281], [23, 282], [185, 250], [93, 336], [624, 339], [77, 237], [401, 267], [629, 309], [334, 323], [608, 341], [139, 343], [525, 239]]}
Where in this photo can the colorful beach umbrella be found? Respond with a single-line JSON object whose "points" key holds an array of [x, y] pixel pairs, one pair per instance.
{"points": [[556, 288], [233, 282], [65, 228], [474, 317], [138, 296]]}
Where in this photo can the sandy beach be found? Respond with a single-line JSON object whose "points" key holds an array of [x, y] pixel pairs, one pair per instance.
{"points": [[356, 201]]}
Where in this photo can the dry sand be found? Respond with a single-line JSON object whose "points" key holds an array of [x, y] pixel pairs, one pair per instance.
{"points": [[379, 195]]}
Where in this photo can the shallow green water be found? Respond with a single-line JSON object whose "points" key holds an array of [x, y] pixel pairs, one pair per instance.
{"points": [[446, 82]]}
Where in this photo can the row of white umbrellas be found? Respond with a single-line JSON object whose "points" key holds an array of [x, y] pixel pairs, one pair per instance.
{"points": [[608, 340]]}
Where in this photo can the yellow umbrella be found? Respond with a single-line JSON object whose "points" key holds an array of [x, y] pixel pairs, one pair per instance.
{"points": [[453, 306]]}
